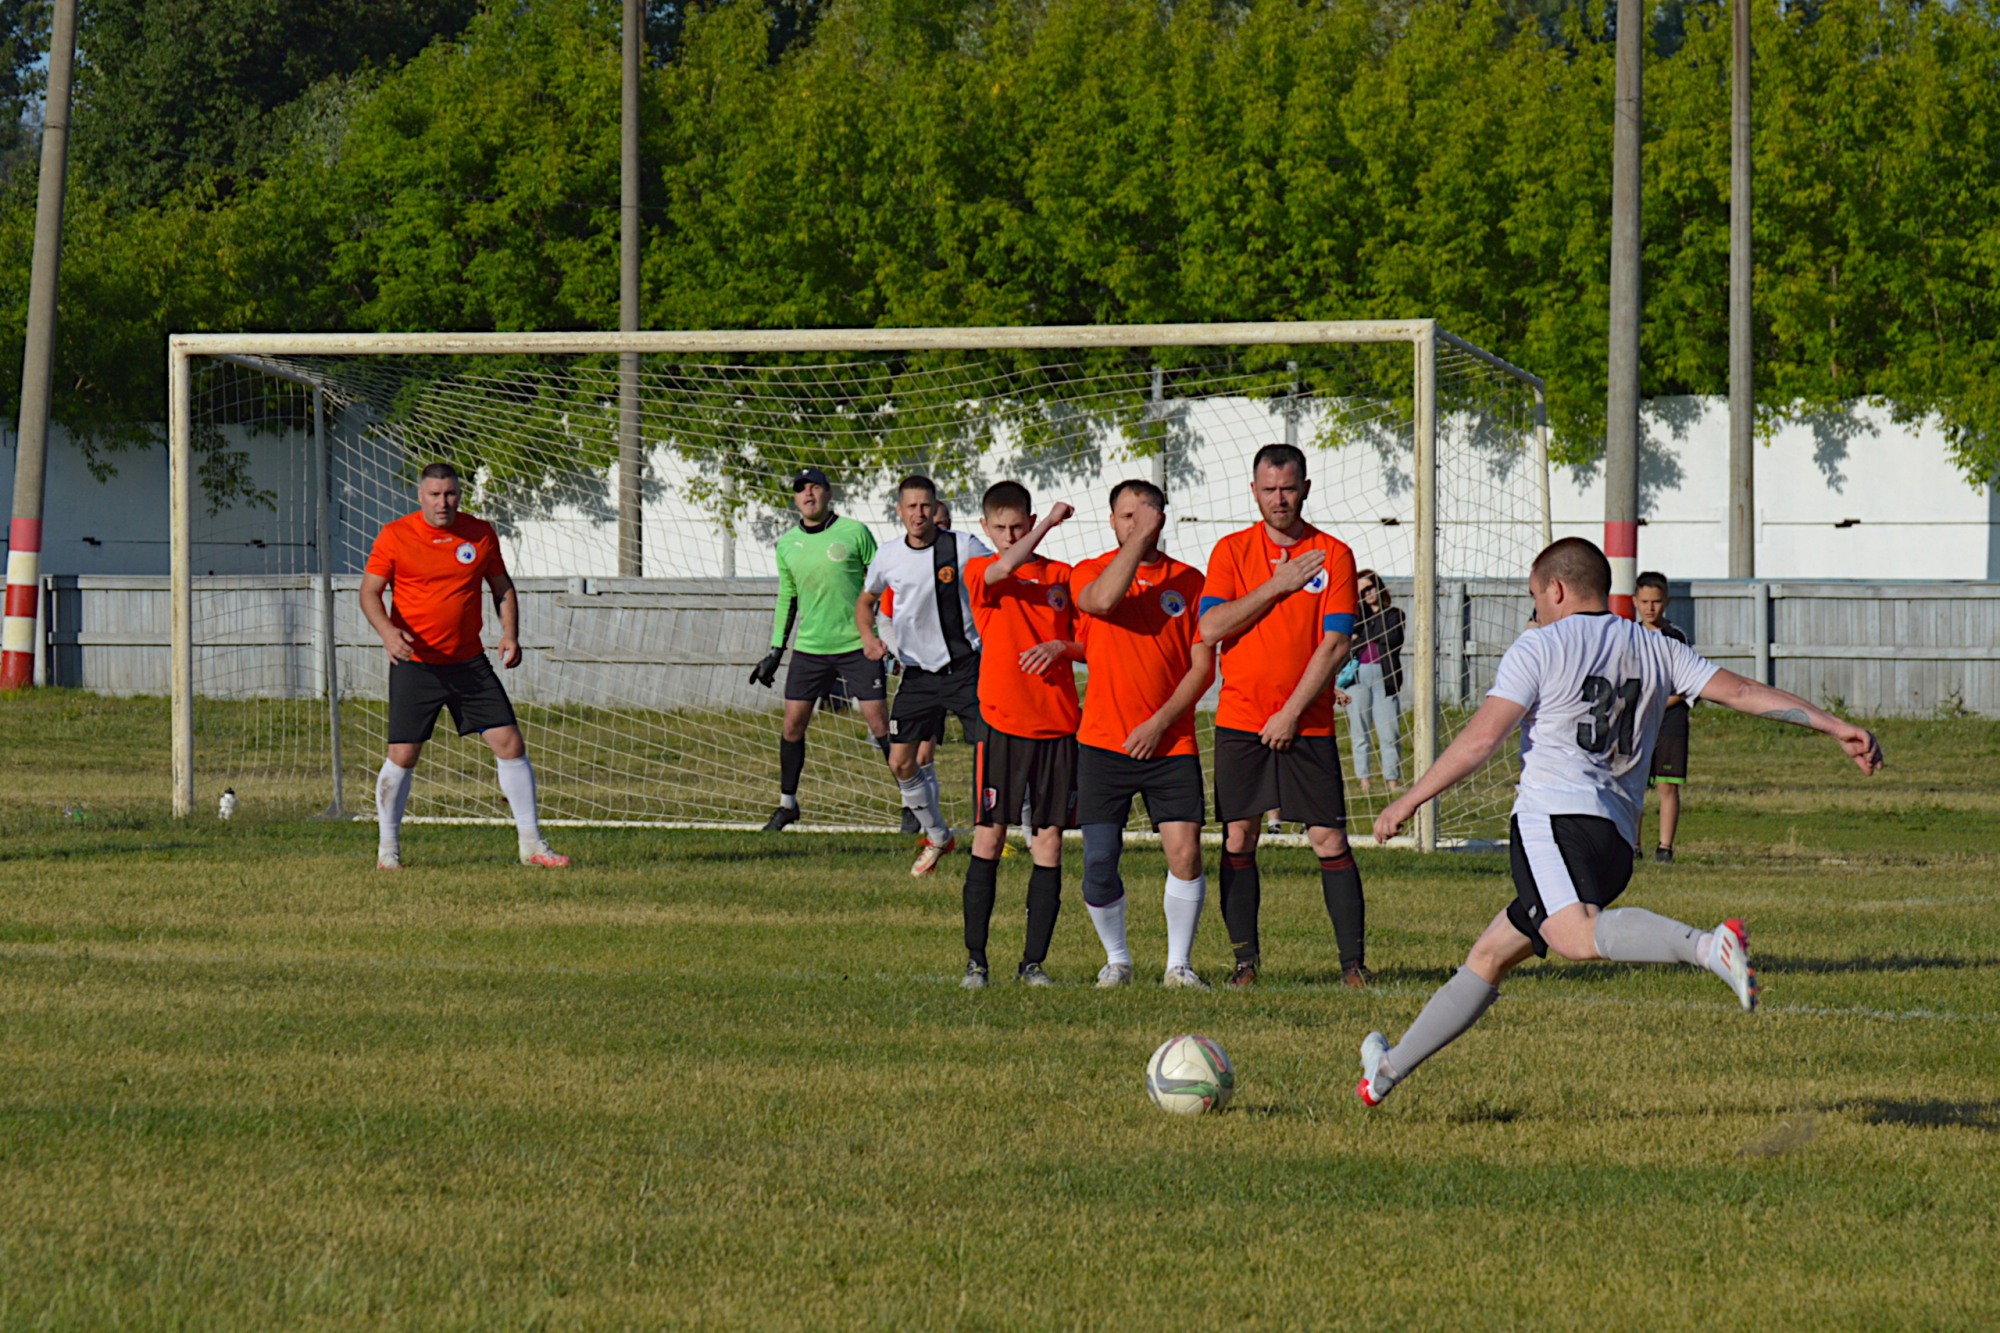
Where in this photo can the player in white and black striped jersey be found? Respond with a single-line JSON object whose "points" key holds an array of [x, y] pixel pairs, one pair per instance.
{"points": [[1588, 690], [936, 642]]}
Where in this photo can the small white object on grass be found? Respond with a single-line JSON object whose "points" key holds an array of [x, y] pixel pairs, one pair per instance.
{"points": [[228, 806]]}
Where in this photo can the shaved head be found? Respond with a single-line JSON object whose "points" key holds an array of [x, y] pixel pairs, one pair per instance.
{"points": [[1576, 562]]}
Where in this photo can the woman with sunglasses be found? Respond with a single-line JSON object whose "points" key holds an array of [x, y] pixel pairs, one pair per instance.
{"points": [[1378, 681]]}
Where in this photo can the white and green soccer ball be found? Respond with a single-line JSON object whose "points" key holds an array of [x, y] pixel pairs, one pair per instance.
{"points": [[1189, 1075]]}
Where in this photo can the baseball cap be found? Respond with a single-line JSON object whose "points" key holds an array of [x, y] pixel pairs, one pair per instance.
{"points": [[809, 476]]}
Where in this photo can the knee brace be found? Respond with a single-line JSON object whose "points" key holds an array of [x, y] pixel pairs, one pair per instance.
{"points": [[1103, 844]]}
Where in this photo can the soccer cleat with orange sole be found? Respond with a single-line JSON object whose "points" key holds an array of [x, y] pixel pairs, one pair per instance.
{"points": [[542, 856], [929, 854]]}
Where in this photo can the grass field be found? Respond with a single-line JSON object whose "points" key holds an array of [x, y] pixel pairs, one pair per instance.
{"points": [[714, 1080]]}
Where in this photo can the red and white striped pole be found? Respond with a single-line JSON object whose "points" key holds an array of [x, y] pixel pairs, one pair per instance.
{"points": [[24, 537], [1621, 545], [24, 589], [1621, 437]]}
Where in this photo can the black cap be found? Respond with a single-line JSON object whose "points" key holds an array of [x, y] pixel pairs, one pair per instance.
{"points": [[809, 476]]}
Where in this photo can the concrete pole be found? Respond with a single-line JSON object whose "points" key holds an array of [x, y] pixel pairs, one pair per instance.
{"points": [[1621, 443], [18, 649], [631, 492], [1742, 371]]}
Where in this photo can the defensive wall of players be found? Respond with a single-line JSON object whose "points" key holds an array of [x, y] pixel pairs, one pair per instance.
{"points": [[1885, 649]]}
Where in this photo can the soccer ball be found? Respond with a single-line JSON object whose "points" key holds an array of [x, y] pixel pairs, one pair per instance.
{"points": [[1189, 1075]]}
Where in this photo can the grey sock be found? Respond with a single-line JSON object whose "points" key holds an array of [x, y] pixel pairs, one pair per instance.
{"points": [[1457, 1005], [1634, 935], [917, 798]]}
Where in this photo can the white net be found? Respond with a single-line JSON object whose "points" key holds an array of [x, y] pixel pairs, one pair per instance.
{"points": [[635, 695]]}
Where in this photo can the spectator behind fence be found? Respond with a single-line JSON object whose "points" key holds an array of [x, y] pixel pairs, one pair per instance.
{"points": [[1378, 681]]}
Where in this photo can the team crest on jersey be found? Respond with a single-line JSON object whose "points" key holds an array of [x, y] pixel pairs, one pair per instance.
{"points": [[467, 553], [836, 552], [1058, 597], [1317, 583], [946, 573], [1173, 604]]}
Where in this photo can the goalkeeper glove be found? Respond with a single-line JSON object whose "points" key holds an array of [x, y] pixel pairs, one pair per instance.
{"points": [[766, 671]]}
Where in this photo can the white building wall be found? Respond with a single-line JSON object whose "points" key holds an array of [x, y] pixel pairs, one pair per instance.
{"points": [[1859, 497]]}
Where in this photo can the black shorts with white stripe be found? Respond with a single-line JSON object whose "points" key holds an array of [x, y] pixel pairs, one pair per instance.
{"points": [[1560, 860]]}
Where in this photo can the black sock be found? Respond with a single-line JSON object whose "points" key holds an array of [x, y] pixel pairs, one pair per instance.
{"points": [[980, 880], [1242, 894], [882, 744], [791, 763], [1340, 882], [1044, 902]]}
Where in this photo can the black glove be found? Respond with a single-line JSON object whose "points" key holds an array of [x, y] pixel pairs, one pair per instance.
{"points": [[766, 671]]}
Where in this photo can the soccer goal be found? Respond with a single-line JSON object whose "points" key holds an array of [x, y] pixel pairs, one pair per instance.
{"points": [[644, 558]]}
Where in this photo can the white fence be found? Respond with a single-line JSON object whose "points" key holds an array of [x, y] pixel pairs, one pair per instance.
{"points": [[1882, 649]]}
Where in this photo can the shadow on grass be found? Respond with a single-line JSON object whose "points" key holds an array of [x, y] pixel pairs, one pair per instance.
{"points": [[1894, 962], [1982, 1116]]}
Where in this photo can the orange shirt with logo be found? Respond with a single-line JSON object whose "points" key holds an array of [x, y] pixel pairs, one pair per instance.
{"points": [[1139, 654], [1013, 615], [1262, 665], [436, 578]]}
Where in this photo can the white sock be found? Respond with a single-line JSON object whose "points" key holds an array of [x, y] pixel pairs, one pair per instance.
{"points": [[928, 773], [517, 782], [1110, 923], [788, 802], [1183, 903], [917, 798], [392, 795]]}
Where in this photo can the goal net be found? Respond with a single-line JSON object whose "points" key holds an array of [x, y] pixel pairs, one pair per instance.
{"points": [[645, 606]]}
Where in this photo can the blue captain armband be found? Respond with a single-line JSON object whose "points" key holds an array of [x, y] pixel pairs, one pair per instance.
{"points": [[1338, 624], [1210, 603]]}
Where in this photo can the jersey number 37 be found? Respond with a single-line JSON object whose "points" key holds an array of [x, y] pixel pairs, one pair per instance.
{"points": [[1613, 712]]}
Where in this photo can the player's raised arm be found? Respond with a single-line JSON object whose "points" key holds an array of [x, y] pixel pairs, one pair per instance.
{"points": [[1747, 696], [1224, 620], [1022, 551], [1101, 596]]}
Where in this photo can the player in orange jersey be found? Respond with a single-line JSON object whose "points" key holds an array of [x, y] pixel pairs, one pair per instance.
{"points": [[1279, 606], [1027, 697], [1148, 670], [432, 564]]}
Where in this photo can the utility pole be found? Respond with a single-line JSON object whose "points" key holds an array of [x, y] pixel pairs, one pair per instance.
{"points": [[1621, 417], [1742, 365], [631, 460], [18, 648]]}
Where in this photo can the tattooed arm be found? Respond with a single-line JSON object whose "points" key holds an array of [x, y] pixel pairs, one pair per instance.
{"points": [[1747, 696]]}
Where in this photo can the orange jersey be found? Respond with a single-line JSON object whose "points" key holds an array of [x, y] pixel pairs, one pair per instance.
{"points": [[1139, 654], [1262, 665], [436, 577], [1012, 616]]}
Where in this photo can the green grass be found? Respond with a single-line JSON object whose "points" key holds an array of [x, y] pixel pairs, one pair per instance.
{"points": [[714, 1080]]}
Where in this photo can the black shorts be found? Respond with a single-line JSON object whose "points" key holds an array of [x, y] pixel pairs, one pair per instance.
{"points": [[1559, 860], [1010, 769], [471, 690], [850, 675], [1302, 784], [1107, 780], [1670, 752], [925, 697]]}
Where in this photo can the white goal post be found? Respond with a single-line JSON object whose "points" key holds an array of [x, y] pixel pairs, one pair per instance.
{"points": [[1449, 434]]}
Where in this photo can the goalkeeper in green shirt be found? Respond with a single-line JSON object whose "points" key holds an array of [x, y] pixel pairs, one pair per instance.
{"points": [[822, 564]]}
